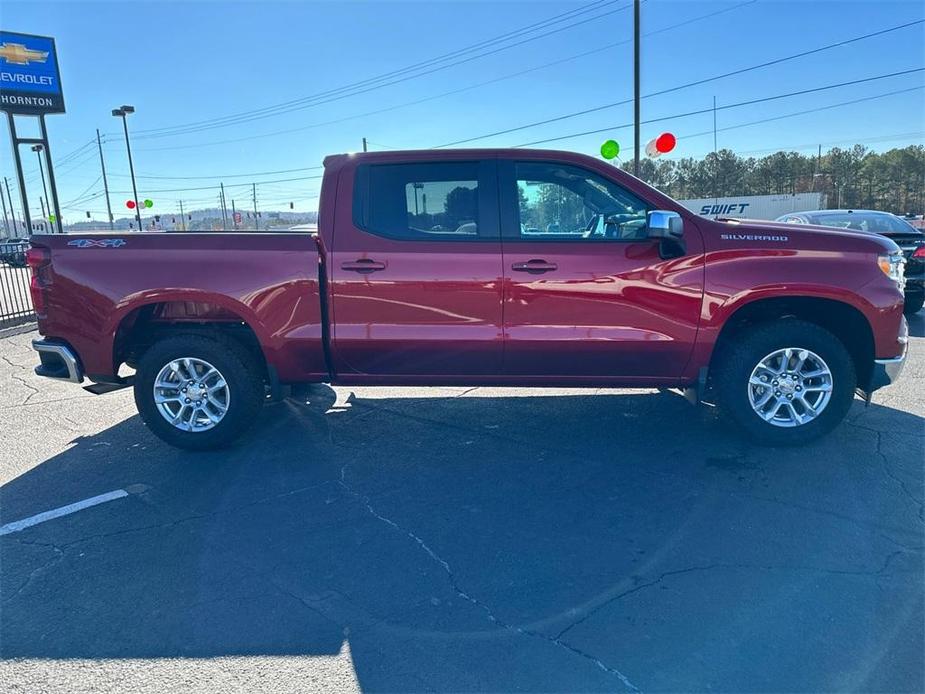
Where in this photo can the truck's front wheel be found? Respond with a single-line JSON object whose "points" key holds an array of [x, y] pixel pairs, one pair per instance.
{"points": [[198, 392], [785, 383]]}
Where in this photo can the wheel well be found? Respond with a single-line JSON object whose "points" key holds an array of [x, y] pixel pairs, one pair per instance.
{"points": [[842, 320], [147, 324]]}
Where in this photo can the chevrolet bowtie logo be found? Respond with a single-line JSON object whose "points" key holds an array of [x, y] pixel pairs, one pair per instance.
{"points": [[17, 54]]}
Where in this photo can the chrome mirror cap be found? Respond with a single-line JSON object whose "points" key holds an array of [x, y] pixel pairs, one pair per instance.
{"points": [[664, 224]]}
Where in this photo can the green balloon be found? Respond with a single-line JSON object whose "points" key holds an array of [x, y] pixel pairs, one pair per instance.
{"points": [[149, 202], [52, 218], [610, 149]]}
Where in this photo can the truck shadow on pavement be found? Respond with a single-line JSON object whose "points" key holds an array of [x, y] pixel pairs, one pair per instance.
{"points": [[487, 543]]}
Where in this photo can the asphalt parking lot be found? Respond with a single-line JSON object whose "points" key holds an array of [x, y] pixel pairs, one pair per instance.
{"points": [[452, 539]]}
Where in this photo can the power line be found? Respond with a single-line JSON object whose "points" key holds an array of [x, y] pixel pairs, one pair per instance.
{"points": [[695, 83], [810, 110], [451, 92], [233, 185], [218, 176], [895, 137], [743, 103], [86, 190], [597, 5], [308, 102]]}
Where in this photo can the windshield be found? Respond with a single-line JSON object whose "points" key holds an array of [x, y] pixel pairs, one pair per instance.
{"points": [[877, 222]]}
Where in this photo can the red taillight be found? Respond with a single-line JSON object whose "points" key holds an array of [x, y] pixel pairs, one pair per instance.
{"points": [[38, 258], [919, 252]]}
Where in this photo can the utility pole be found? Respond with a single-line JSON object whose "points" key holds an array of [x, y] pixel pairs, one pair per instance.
{"points": [[234, 216], [182, 215], [12, 209], [818, 171], [99, 144], [224, 209], [42, 203], [254, 190], [714, 124], [6, 219], [715, 161], [364, 144], [636, 85]]}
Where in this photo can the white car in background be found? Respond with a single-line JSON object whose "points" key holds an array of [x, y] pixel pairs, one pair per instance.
{"points": [[906, 236]]}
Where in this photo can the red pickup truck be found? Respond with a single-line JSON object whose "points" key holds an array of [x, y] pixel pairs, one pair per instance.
{"points": [[477, 267]]}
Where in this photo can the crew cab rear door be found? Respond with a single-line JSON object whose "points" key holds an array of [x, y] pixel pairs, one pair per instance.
{"points": [[416, 270], [588, 299]]}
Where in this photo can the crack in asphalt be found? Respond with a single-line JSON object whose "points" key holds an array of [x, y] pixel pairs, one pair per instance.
{"points": [[454, 583], [722, 565], [19, 379], [920, 503], [873, 527], [58, 558], [746, 452]]}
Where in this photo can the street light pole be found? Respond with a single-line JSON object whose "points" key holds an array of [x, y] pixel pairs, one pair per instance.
{"points": [[38, 153], [122, 112]]}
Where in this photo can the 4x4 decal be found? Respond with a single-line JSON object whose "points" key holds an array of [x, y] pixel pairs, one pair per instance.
{"points": [[97, 243]]}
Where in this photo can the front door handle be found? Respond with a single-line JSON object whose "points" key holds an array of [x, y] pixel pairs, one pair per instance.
{"points": [[534, 267], [363, 266]]}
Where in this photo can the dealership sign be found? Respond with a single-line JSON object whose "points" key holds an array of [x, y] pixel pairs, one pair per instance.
{"points": [[30, 81]]}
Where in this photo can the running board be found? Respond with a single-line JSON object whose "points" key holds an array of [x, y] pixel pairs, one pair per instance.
{"points": [[103, 388]]}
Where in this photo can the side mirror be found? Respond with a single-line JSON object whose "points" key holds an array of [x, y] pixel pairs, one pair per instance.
{"points": [[668, 228], [661, 224]]}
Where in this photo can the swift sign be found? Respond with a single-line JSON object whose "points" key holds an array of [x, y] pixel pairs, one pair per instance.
{"points": [[30, 81]]}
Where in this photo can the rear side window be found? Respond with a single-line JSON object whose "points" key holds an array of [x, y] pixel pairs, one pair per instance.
{"points": [[433, 202]]}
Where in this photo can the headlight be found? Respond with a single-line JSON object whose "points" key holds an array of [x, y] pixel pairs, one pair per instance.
{"points": [[893, 266]]}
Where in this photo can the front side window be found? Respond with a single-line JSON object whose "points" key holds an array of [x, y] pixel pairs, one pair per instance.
{"points": [[438, 201], [561, 202]]}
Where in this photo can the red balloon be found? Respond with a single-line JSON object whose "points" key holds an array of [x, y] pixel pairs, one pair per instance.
{"points": [[130, 204], [665, 143]]}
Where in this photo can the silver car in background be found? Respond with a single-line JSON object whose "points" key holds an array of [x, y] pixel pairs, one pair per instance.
{"points": [[906, 236]]}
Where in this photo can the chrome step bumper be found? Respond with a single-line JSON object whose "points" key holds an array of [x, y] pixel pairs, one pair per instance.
{"points": [[58, 361]]}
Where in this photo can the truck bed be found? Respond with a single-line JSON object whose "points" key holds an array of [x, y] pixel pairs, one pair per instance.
{"points": [[99, 287]]}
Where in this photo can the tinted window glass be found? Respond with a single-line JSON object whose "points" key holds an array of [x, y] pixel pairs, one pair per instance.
{"points": [[418, 201], [565, 202]]}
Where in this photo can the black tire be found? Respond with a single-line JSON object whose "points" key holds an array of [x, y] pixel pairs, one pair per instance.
{"points": [[914, 301], [733, 365], [241, 371]]}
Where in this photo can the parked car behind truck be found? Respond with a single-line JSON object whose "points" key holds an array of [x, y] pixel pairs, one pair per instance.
{"points": [[478, 267], [910, 240]]}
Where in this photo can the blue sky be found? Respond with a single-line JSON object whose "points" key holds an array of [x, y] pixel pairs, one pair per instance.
{"points": [[187, 62]]}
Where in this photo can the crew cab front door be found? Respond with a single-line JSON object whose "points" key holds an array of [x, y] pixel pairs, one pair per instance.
{"points": [[586, 294], [416, 271]]}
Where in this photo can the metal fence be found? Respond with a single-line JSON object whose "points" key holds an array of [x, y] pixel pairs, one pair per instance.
{"points": [[15, 302]]}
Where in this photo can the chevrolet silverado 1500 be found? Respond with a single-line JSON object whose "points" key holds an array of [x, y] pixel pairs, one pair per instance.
{"points": [[477, 267]]}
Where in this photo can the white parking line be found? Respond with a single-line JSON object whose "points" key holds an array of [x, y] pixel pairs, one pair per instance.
{"points": [[16, 526]]}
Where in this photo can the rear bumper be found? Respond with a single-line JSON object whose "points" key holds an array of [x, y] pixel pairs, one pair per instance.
{"points": [[887, 371], [58, 361]]}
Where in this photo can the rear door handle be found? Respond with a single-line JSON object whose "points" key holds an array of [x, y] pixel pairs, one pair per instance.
{"points": [[363, 266], [534, 267]]}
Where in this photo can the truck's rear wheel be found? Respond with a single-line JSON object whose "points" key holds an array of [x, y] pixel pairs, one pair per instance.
{"points": [[785, 383], [198, 392]]}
